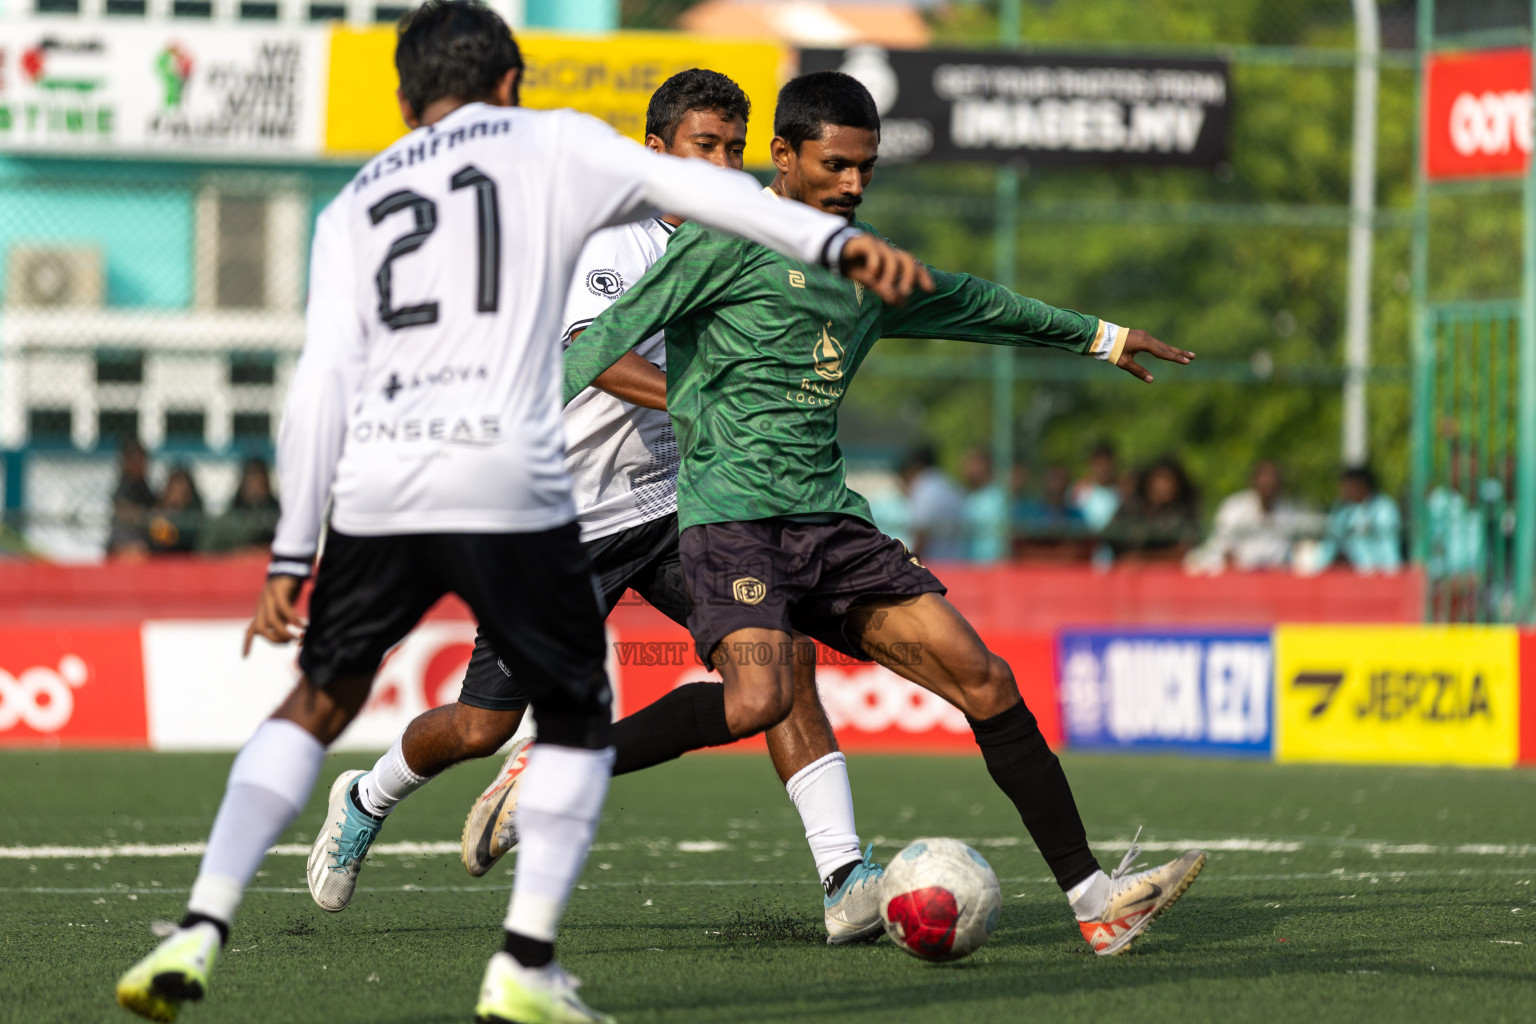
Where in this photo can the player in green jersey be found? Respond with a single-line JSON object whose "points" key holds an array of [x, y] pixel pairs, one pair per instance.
{"points": [[760, 352]]}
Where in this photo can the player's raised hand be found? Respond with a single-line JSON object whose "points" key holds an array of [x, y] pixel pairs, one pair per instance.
{"points": [[883, 268], [1138, 341], [276, 617]]}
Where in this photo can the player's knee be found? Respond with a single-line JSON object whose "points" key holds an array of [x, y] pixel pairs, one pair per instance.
{"points": [[482, 734], [757, 709], [986, 683]]}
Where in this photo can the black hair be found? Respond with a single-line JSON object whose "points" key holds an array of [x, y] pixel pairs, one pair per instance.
{"points": [[1364, 475], [811, 102], [687, 91], [919, 457], [453, 48], [1189, 495]]}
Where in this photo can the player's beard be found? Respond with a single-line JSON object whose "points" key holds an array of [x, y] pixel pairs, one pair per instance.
{"points": [[843, 206]]}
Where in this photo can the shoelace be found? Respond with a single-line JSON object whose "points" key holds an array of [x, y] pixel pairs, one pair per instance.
{"points": [[351, 845], [865, 868], [1129, 859]]}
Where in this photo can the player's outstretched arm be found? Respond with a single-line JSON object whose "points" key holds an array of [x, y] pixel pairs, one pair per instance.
{"points": [[634, 181], [1138, 341]]}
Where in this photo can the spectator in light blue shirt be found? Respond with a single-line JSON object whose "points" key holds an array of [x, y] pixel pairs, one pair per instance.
{"points": [[1365, 529], [1096, 497], [935, 508], [986, 508]]}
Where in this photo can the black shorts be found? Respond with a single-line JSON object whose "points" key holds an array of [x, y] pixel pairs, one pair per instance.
{"points": [[642, 558], [792, 575], [530, 591]]}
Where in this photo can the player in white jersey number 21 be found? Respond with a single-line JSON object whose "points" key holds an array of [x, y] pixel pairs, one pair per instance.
{"points": [[426, 410], [623, 461]]}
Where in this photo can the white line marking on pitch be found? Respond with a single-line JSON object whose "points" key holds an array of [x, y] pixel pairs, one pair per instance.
{"points": [[500, 888], [1236, 844]]}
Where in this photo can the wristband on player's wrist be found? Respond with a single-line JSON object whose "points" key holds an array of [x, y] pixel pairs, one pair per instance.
{"points": [[285, 565], [832, 249]]}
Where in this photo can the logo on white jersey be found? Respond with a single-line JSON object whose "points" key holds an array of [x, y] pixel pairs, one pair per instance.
{"points": [[605, 284]]}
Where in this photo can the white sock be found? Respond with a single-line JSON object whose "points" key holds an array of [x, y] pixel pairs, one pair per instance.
{"points": [[268, 785], [562, 798], [820, 793], [390, 782], [1090, 896]]}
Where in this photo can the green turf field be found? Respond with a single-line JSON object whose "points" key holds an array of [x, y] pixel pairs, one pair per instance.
{"points": [[1332, 894]]}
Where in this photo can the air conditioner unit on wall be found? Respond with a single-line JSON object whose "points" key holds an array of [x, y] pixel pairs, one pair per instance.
{"points": [[54, 277]]}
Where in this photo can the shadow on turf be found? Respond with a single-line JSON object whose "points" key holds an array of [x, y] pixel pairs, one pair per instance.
{"points": [[1037, 952]]}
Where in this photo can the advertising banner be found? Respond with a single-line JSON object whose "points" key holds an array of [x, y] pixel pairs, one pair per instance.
{"points": [[202, 695], [1156, 690], [161, 89], [71, 685], [1404, 694], [1047, 109], [611, 77], [1478, 114]]}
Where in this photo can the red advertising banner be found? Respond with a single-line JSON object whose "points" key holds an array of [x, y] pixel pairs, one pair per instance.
{"points": [[870, 707], [1527, 698], [77, 685], [1478, 114]]}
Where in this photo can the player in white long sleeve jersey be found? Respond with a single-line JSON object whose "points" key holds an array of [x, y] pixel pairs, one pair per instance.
{"points": [[426, 411], [623, 461]]}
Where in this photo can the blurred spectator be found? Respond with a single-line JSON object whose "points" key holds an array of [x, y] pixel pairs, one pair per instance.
{"points": [[1256, 528], [131, 501], [1047, 525], [1097, 495], [1365, 528], [1160, 521], [986, 508], [177, 516], [251, 519], [935, 508], [1455, 527]]}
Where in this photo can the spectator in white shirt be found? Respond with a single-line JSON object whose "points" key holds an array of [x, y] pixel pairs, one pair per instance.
{"points": [[1256, 528]]}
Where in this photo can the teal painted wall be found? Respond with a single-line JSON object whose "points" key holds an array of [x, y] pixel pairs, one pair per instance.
{"points": [[139, 213]]}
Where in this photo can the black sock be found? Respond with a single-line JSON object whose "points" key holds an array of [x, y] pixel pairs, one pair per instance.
{"points": [[193, 918], [358, 803], [528, 952], [835, 880], [690, 717], [1021, 763]]}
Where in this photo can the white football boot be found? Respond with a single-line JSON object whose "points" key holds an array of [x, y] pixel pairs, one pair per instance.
{"points": [[514, 994], [1135, 900], [175, 972], [488, 830], [340, 846], [853, 911]]}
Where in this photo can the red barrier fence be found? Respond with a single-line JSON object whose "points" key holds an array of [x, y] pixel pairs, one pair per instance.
{"points": [[1022, 598]]}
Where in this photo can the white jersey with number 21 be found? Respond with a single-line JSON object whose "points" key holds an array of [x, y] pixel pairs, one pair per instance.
{"points": [[427, 397]]}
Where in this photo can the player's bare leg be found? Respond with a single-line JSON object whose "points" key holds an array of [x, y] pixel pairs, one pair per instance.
{"points": [[360, 800], [924, 639]]}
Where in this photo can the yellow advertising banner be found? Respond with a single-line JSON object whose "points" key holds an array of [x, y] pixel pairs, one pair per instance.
{"points": [[1397, 694], [608, 76]]}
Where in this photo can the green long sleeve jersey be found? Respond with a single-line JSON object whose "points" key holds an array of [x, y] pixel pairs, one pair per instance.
{"points": [[761, 350]]}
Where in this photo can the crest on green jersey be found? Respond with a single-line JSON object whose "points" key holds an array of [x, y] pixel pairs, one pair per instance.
{"points": [[827, 355]]}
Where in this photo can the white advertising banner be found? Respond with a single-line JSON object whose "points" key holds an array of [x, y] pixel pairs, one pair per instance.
{"points": [[165, 90], [201, 695]]}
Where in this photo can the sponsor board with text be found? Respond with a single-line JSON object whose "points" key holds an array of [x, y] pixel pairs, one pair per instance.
{"points": [[1477, 113], [1166, 690], [165, 90], [71, 685], [610, 77], [1404, 694], [1047, 109]]}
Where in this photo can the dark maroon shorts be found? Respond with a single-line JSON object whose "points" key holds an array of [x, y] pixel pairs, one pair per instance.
{"points": [[790, 575]]}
